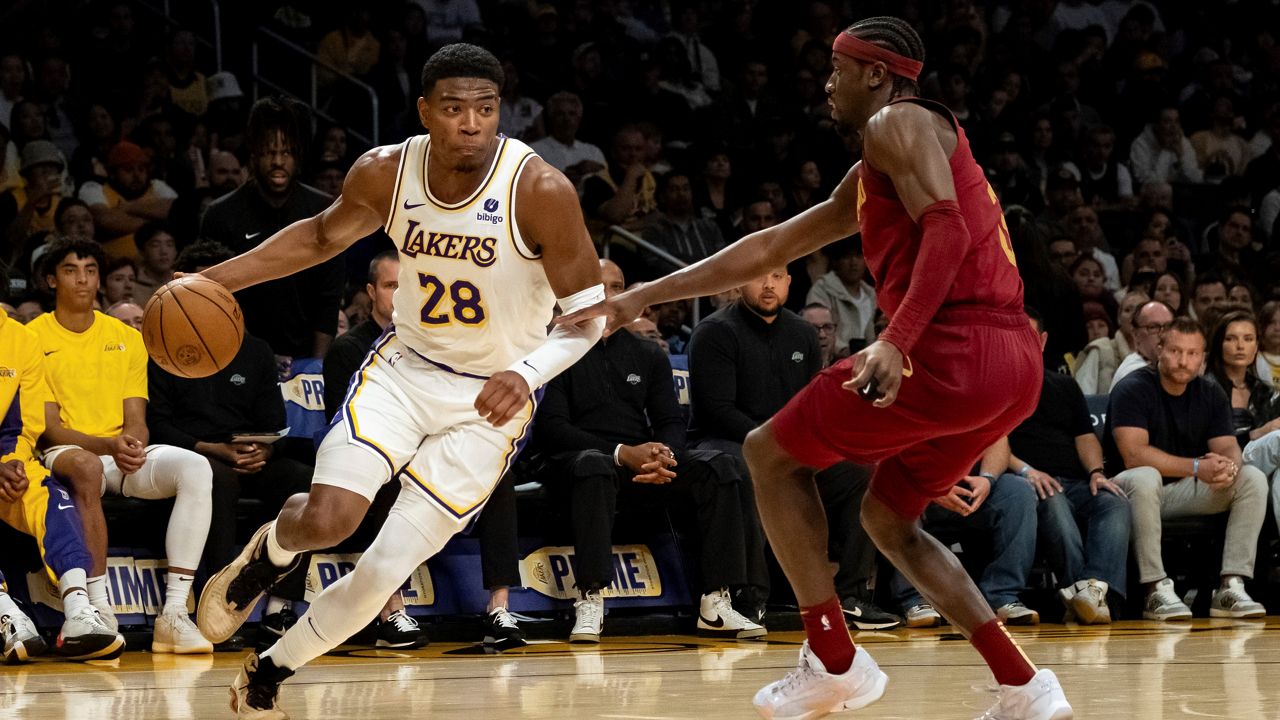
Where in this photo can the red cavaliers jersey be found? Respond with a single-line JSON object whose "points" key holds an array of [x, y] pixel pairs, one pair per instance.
{"points": [[988, 276]]}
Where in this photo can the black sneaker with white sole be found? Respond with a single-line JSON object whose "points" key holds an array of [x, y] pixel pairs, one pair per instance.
{"points": [[400, 631], [501, 631], [864, 615]]}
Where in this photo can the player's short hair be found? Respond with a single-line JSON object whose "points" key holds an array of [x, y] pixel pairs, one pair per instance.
{"points": [[61, 248], [894, 34], [205, 253], [461, 60], [377, 260]]}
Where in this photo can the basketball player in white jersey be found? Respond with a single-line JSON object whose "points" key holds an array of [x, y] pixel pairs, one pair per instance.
{"points": [[491, 237]]}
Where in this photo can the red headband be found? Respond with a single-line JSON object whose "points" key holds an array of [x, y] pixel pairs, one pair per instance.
{"points": [[857, 49]]}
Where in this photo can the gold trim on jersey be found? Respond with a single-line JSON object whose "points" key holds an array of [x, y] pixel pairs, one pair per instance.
{"points": [[511, 210], [465, 204]]}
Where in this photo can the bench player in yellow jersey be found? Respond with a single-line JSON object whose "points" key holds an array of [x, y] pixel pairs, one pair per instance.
{"points": [[32, 502], [491, 238]]}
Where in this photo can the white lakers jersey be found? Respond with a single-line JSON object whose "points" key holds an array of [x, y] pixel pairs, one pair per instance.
{"points": [[472, 298]]}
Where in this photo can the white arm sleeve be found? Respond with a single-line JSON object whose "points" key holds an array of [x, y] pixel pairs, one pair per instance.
{"points": [[566, 344]]}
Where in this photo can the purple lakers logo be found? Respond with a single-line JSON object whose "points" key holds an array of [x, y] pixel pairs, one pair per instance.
{"points": [[480, 250]]}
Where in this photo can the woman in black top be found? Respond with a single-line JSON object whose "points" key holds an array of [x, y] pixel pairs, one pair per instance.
{"points": [[1233, 354]]}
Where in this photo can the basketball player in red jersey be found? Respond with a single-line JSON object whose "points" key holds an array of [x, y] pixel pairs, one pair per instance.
{"points": [[957, 368]]}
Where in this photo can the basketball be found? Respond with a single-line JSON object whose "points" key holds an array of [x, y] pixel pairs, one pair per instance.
{"points": [[192, 327]]}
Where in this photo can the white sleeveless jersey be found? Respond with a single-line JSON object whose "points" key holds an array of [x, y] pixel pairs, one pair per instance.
{"points": [[472, 299]]}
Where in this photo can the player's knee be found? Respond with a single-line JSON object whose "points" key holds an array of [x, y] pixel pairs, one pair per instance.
{"points": [[886, 528], [327, 522], [82, 471], [765, 458]]}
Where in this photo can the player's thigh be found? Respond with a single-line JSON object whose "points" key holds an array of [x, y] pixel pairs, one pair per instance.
{"points": [[458, 468]]}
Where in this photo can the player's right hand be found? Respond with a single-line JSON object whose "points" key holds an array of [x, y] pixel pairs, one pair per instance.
{"points": [[13, 481], [620, 310], [129, 453]]}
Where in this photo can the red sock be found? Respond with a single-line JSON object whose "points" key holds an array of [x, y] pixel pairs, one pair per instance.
{"points": [[1006, 660], [828, 635]]}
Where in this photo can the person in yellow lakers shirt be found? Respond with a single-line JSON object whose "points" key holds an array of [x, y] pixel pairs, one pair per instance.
{"points": [[97, 369], [32, 502], [128, 199]]}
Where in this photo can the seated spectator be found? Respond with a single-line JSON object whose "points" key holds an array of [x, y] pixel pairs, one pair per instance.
{"points": [[187, 88], [1255, 406], [1162, 153], [1149, 323], [25, 505], [561, 147], [204, 415], [117, 281], [1097, 323], [1170, 430], [1106, 183], [824, 321], [1149, 255], [1083, 516], [623, 194], [1219, 150], [225, 172], [1087, 232], [1168, 290], [1240, 294], [746, 361], [73, 219], [1064, 251], [394, 627], [1268, 365], [127, 313], [994, 501], [845, 290], [1009, 175], [1091, 282], [1233, 255], [128, 200], [32, 207], [1062, 197], [97, 370], [1208, 298], [1097, 363], [522, 116], [607, 428], [678, 228], [157, 251]]}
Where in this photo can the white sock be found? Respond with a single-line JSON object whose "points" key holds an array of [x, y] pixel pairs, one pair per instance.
{"points": [[97, 589], [74, 597], [177, 590], [278, 556], [275, 604], [7, 605]]}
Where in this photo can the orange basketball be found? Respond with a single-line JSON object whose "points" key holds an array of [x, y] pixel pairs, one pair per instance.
{"points": [[192, 327]]}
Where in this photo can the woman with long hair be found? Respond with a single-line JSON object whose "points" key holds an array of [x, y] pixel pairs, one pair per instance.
{"points": [[1168, 290], [1255, 406], [1268, 365]]}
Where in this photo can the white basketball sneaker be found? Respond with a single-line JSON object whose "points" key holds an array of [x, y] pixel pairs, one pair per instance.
{"points": [[175, 633], [1040, 699], [717, 618], [21, 639], [588, 618], [810, 691]]}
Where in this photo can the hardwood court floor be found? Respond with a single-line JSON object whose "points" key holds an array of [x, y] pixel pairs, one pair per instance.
{"points": [[1140, 670]]}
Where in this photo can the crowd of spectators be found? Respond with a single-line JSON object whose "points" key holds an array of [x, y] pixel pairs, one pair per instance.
{"points": [[1134, 145]]}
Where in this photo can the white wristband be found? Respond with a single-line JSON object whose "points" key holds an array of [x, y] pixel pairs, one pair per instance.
{"points": [[566, 344], [616, 460]]}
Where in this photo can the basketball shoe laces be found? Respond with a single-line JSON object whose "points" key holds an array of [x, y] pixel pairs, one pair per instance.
{"points": [[799, 679], [264, 685], [402, 622], [724, 607], [503, 619]]}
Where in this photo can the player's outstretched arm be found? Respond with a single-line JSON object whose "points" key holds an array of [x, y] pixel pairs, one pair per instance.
{"points": [[360, 209], [752, 256], [550, 218]]}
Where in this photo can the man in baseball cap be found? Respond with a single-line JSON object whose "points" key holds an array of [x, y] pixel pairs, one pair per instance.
{"points": [[129, 199], [33, 203]]}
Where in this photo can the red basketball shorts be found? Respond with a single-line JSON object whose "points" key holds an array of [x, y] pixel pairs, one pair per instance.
{"points": [[973, 377]]}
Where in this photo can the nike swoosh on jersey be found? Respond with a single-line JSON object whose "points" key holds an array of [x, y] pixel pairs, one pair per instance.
{"points": [[407, 206], [717, 623], [65, 507], [50, 352]]}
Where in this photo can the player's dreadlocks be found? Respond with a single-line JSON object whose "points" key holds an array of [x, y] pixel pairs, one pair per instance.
{"points": [[893, 34]]}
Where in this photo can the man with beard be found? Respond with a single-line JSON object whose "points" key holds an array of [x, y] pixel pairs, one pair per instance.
{"points": [[297, 314], [225, 172], [129, 199], [957, 368]]}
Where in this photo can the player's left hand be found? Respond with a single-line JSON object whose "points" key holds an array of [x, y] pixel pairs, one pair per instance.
{"points": [[502, 397], [13, 481], [882, 361]]}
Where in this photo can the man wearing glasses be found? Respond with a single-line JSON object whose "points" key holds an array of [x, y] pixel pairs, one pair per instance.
{"points": [[1149, 323], [824, 321]]}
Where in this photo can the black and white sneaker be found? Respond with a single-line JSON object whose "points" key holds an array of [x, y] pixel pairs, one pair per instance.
{"points": [[21, 639], [85, 636], [717, 618], [400, 631], [274, 626], [501, 631], [864, 615], [749, 601], [254, 691]]}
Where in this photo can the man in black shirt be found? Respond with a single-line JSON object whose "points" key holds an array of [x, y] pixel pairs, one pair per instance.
{"points": [[1057, 453], [202, 414], [611, 427], [297, 315], [347, 352], [746, 361], [1171, 429]]}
